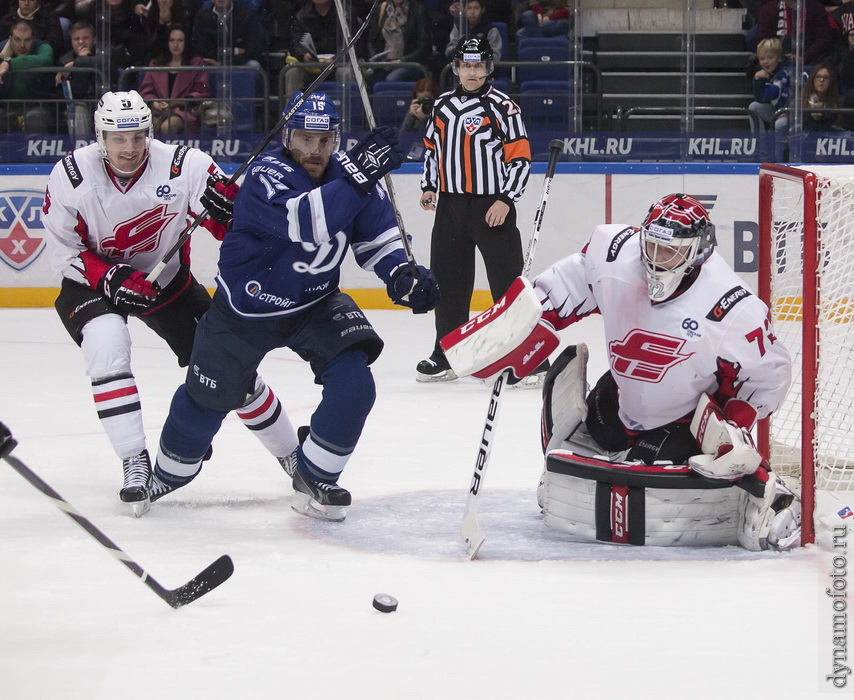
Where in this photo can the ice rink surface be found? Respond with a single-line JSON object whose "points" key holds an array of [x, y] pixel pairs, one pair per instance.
{"points": [[534, 617]]}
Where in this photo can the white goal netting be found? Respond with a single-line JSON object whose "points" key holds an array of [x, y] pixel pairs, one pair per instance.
{"points": [[819, 336]]}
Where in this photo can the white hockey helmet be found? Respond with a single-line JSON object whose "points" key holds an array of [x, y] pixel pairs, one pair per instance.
{"points": [[676, 237], [122, 111]]}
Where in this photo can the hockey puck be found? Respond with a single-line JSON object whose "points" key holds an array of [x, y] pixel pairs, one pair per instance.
{"points": [[385, 603]]}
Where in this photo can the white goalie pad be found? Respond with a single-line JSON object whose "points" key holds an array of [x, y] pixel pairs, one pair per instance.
{"points": [[491, 335], [564, 397], [662, 505]]}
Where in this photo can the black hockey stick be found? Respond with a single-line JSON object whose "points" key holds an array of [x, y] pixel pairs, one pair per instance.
{"points": [[470, 532], [173, 251], [372, 122], [207, 580]]}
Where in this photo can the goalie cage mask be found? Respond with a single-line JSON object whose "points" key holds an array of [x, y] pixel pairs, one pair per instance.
{"points": [[680, 225]]}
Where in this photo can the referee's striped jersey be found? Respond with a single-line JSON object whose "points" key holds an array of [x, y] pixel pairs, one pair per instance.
{"points": [[477, 144]]}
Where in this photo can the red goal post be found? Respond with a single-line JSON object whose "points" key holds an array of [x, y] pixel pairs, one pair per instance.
{"points": [[806, 276]]}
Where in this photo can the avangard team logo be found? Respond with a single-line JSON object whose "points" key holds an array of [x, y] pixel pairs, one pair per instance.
{"points": [[21, 228]]}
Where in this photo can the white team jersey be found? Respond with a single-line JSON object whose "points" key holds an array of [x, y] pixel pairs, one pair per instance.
{"points": [[87, 208], [714, 337]]}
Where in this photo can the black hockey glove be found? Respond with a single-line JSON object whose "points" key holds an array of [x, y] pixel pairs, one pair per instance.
{"points": [[374, 156], [218, 198], [128, 289], [414, 286]]}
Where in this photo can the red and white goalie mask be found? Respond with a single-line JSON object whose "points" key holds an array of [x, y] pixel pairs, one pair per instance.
{"points": [[676, 236]]}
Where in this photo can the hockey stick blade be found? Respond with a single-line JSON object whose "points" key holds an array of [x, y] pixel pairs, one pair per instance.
{"points": [[206, 581], [472, 533], [214, 575]]}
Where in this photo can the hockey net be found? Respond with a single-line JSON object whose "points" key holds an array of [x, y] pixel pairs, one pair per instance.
{"points": [[806, 276]]}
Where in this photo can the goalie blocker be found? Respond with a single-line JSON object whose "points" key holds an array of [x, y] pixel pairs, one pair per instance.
{"points": [[510, 334]]}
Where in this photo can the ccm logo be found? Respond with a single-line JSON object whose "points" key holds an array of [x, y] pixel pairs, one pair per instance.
{"points": [[484, 317], [619, 494]]}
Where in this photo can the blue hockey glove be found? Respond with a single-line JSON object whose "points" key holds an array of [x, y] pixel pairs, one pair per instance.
{"points": [[128, 289], [374, 156], [414, 286]]}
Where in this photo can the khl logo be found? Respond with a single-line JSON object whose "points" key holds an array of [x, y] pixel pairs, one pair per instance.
{"points": [[21, 228]]}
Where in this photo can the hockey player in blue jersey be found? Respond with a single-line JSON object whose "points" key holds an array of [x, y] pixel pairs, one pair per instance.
{"points": [[299, 209]]}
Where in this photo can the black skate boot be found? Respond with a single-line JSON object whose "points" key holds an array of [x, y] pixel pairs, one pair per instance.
{"points": [[434, 369], [317, 499], [137, 478]]}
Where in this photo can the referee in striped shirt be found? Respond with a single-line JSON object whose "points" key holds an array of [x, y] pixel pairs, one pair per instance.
{"points": [[477, 163]]}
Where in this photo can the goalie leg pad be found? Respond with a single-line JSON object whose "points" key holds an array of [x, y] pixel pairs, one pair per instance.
{"points": [[595, 501], [564, 392]]}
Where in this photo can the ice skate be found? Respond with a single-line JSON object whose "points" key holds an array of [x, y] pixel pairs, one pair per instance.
{"points": [[318, 499], [159, 489], [785, 532], [434, 369], [137, 477], [534, 380]]}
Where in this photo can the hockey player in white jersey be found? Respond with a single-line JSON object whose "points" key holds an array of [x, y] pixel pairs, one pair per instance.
{"points": [[112, 210], [693, 365]]}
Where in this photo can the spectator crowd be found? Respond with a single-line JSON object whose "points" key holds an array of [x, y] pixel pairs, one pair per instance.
{"points": [[174, 43]]}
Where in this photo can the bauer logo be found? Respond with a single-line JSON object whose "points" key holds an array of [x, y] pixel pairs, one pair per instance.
{"points": [[21, 229]]}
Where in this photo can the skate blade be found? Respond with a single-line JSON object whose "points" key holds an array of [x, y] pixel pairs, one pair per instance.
{"points": [[532, 381], [140, 508], [446, 376], [304, 505]]}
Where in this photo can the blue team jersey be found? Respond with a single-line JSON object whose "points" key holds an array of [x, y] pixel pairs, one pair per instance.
{"points": [[289, 236]]}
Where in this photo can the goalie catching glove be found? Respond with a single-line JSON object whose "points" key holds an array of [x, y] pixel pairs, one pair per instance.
{"points": [[413, 286], [128, 289], [728, 449], [372, 158]]}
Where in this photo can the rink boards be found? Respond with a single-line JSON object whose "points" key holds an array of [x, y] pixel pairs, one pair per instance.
{"points": [[583, 195]]}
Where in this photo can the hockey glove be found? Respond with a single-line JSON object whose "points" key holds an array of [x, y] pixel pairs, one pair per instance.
{"points": [[218, 198], [128, 289], [414, 286], [374, 156]]}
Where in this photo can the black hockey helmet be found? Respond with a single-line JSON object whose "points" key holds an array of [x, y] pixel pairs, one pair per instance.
{"points": [[475, 49]]}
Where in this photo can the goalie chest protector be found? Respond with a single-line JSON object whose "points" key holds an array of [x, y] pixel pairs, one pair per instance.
{"points": [[662, 505]]}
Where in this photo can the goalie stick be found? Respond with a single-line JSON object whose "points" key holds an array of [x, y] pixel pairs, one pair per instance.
{"points": [[206, 581], [470, 531], [158, 269]]}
